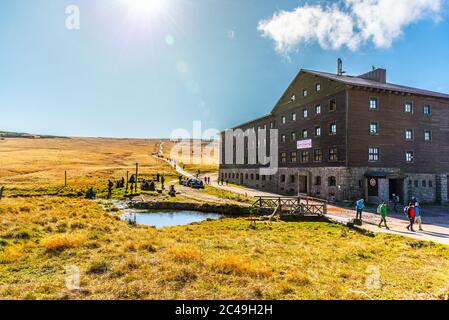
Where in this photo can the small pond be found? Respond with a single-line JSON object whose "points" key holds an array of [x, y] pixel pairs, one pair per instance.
{"points": [[161, 219]]}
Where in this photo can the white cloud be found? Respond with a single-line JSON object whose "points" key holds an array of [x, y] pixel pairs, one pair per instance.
{"points": [[231, 34], [352, 23]]}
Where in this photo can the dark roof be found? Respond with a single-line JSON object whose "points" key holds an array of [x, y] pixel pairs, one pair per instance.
{"points": [[360, 82], [253, 121]]}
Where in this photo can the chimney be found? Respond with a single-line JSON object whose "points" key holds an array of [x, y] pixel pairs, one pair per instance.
{"points": [[379, 75], [340, 71]]}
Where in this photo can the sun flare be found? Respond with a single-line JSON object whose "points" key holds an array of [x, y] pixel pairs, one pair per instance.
{"points": [[145, 8]]}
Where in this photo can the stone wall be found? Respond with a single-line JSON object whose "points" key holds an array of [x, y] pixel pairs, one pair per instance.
{"points": [[350, 183]]}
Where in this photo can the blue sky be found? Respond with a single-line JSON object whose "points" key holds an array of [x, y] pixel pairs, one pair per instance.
{"points": [[128, 73]]}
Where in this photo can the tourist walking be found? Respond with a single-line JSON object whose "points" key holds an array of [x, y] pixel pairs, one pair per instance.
{"points": [[383, 210], [110, 186], [132, 180], [418, 219], [411, 217], [395, 202], [359, 206]]}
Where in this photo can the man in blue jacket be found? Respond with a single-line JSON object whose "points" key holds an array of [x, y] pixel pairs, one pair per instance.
{"points": [[359, 206]]}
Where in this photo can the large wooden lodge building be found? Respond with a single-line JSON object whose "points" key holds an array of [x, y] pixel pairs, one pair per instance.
{"points": [[342, 137]]}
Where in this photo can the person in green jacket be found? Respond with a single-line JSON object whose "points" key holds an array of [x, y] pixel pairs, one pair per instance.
{"points": [[382, 209]]}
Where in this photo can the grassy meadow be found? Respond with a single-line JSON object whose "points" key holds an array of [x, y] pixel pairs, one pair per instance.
{"points": [[37, 166], [47, 232], [225, 259]]}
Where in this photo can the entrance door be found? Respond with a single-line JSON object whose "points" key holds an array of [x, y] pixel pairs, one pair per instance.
{"points": [[302, 184], [393, 187], [241, 179], [396, 186]]}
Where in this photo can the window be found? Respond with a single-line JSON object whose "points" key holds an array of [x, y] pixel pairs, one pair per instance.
{"points": [[293, 97], [333, 154], [293, 157], [294, 116], [304, 156], [333, 105], [373, 103], [416, 183], [292, 178], [272, 125], [318, 109], [374, 128], [282, 177], [424, 184], [408, 134], [430, 184], [293, 136], [333, 128], [305, 134], [283, 139], [252, 176], [318, 181], [284, 157], [305, 93], [332, 181], [373, 154], [284, 120], [318, 131], [427, 109], [318, 87], [305, 113], [409, 156], [264, 177], [246, 176], [408, 107], [317, 155], [427, 135]]}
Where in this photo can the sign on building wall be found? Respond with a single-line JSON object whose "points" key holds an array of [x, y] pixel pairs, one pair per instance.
{"points": [[305, 144]]}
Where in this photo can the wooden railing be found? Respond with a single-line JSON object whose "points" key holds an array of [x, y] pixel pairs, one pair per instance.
{"points": [[300, 205]]}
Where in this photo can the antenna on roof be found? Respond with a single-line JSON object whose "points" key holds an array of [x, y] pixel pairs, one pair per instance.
{"points": [[340, 71]]}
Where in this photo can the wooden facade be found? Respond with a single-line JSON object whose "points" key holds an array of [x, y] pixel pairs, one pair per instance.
{"points": [[367, 132]]}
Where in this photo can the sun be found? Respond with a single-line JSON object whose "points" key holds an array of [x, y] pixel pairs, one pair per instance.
{"points": [[145, 8]]}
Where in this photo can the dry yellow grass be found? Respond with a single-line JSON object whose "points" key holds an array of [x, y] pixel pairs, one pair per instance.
{"points": [[37, 166], [206, 159], [223, 259], [60, 242]]}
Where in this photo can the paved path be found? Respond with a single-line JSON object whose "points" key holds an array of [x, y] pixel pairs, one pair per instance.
{"points": [[436, 219]]}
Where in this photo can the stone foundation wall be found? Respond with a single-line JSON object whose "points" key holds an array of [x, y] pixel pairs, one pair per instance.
{"points": [[350, 183]]}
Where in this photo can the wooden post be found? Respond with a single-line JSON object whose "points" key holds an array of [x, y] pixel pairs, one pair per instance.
{"points": [[127, 181], [137, 177], [65, 178]]}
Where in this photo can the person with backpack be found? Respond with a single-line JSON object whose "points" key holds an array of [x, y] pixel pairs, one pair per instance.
{"points": [[411, 217], [382, 210], [418, 219]]}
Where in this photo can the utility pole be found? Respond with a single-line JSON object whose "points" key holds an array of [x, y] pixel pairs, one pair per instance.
{"points": [[127, 181], [137, 177]]}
